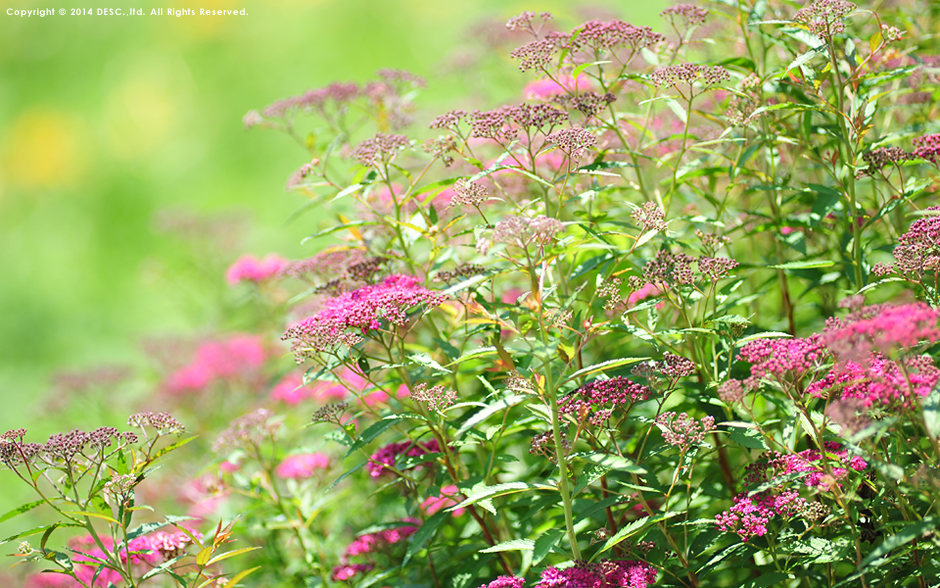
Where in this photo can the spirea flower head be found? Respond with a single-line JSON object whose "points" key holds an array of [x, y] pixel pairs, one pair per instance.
{"points": [[163, 422], [590, 104], [681, 430], [161, 546], [385, 457], [650, 217], [601, 574], [882, 156], [522, 231], [371, 542], [437, 398], [337, 96], [505, 582], [363, 310], [344, 572], [470, 193], [573, 142], [784, 359], [885, 329], [773, 465], [300, 466], [251, 430], [615, 34], [249, 268], [669, 269], [879, 381], [824, 18], [690, 14], [716, 268], [918, 250], [689, 73], [535, 54], [927, 147], [600, 397], [380, 149]]}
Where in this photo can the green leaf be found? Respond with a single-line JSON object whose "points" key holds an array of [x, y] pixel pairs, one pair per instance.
{"points": [[239, 577], [170, 448], [346, 192], [612, 462], [346, 473], [803, 264], [487, 492], [229, 554], [628, 531], [373, 431], [425, 360], [424, 533], [545, 543], [604, 366], [511, 545], [590, 474], [21, 509], [37, 530], [677, 109], [498, 406], [875, 41], [904, 536], [750, 438]]}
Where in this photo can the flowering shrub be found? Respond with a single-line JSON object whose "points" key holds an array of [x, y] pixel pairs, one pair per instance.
{"points": [[668, 319]]}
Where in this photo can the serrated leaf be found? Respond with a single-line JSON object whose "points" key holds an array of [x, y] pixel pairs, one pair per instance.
{"points": [[373, 431], [424, 533], [229, 554], [750, 438], [426, 360], [806, 57], [545, 543], [170, 448], [511, 545], [590, 474], [677, 109], [498, 406], [487, 492]]}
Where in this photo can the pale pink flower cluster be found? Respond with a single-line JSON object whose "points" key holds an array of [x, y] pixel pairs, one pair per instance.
{"points": [[249, 268], [363, 310], [235, 358], [449, 496], [300, 466]]}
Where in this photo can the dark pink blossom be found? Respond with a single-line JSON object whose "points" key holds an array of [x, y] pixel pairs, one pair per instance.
{"points": [[505, 582], [344, 572], [361, 310], [879, 381], [370, 542], [602, 574], [237, 357], [386, 456], [449, 496], [884, 329]]}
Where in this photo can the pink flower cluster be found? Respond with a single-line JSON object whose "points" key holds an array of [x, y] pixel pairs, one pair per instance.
{"points": [[927, 147], [918, 250], [784, 359], [385, 457], [152, 550], [807, 461], [882, 328], [249, 268], [879, 381], [603, 574], [681, 430], [602, 396], [505, 582], [364, 309], [226, 360], [303, 465], [291, 390], [750, 514], [377, 541], [449, 496], [344, 572]]}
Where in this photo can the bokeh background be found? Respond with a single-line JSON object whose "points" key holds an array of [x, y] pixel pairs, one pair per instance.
{"points": [[127, 182]]}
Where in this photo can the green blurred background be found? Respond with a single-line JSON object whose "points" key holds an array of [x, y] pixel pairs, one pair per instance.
{"points": [[121, 147]]}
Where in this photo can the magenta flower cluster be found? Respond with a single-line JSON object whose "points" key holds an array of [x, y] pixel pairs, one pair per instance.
{"points": [[602, 574], [884, 329], [385, 457], [364, 309], [750, 514], [602, 396], [879, 381], [785, 359], [371, 542]]}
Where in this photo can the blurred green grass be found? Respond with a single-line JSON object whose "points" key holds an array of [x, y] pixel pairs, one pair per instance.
{"points": [[105, 121]]}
